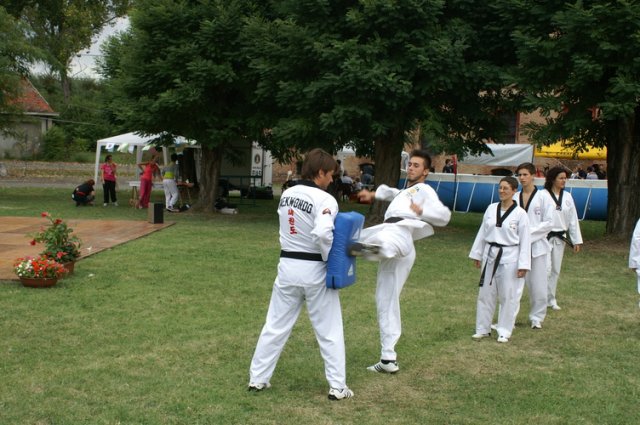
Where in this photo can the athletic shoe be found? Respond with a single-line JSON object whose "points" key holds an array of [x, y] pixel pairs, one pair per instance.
{"points": [[105, 205], [536, 325], [360, 249], [115, 204], [381, 367], [336, 394], [478, 337], [494, 327], [555, 306], [258, 386], [503, 339]]}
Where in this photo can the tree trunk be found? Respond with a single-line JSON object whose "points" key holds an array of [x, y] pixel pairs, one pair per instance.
{"points": [[623, 173], [210, 173], [387, 157], [66, 86]]}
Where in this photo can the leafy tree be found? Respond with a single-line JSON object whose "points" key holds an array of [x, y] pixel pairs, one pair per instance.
{"points": [[16, 53], [367, 74], [62, 28], [181, 70], [581, 59]]}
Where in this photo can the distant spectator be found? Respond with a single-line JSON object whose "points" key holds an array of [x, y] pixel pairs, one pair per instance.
{"points": [[591, 174], [576, 173], [357, 184], [599, 172], [346, 179], [108, 169], [84, 194], [367, 174], [448, 166]]}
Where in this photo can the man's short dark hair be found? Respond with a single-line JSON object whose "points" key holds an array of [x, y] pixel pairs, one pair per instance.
{"points": [[316, 160], [527, 166], [421, 153]]}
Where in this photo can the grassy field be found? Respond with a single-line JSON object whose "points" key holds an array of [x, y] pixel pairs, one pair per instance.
{"points": [[161, 330]]}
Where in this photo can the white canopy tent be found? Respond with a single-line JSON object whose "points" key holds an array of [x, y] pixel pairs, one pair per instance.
{"points": [[132, 142]]}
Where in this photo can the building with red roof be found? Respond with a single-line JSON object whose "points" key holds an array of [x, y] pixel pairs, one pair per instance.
{"points": [[35, 119]]}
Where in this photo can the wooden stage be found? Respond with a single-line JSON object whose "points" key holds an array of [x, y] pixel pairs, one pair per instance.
{"points": [[96, 235]]}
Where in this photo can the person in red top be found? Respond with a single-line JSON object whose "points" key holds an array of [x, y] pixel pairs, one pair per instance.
{"points": [[149, 169], [109, 180]]}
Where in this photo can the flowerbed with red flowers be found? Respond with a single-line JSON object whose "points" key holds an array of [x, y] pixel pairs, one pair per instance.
{"points": [[38, 267]]}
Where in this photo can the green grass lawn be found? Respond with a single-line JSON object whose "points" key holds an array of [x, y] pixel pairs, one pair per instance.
{"points": [[161, 330]]}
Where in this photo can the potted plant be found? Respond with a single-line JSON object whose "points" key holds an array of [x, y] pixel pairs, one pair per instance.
{"points": [[38, 272], [59, 242]]}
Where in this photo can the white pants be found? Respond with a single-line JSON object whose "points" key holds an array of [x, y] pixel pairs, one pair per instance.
{"points": [[397, 255], [536, 282], [554, 265], [170, 192], [323, 306], [505, 288]]}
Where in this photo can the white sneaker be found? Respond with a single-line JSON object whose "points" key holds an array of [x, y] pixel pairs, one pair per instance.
{"points": [[105, 205], [536, 325], [115, 204], [503, 339], [258, 386], [391, 367], [494, 326], [336, 394], [478, 337], [555, 307]]}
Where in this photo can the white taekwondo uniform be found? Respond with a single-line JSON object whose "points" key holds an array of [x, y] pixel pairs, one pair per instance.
{"points": [[306, 214], [565, 220], [634, 252], [503, 248], [397, 252], [540, 213]]}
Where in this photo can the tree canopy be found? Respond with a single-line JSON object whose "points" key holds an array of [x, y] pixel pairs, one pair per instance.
{"points": [[16, 53], [61, 28], [181, 70], [578, 62]]}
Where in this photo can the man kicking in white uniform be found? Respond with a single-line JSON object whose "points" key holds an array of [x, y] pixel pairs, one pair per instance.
{"points": [[409, 217]]}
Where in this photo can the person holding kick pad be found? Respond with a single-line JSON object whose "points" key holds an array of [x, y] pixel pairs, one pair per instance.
{"points": [[306, 213], [409, 217]]}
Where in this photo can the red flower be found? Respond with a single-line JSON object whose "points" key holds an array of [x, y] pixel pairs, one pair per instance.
{"points": [[33, 242], [58, 221], [44, 214], [60, 254]]}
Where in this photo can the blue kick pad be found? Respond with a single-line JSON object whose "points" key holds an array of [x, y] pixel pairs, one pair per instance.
{"points": [[341, 268]]}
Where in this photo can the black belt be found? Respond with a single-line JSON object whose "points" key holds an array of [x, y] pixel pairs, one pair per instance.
{"points": [[393, 219], [560, 235], [496, 262], [309, 256]]}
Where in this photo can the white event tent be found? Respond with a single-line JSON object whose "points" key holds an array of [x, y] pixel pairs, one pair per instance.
{"points": [[130, 142]]}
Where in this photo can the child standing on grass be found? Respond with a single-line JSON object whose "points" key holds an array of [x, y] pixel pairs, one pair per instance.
{"points": [[503, 248], [634, 253]]}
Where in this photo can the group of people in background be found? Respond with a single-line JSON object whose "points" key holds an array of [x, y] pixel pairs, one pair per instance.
{"points": [[84, 194], [593, 172]]}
